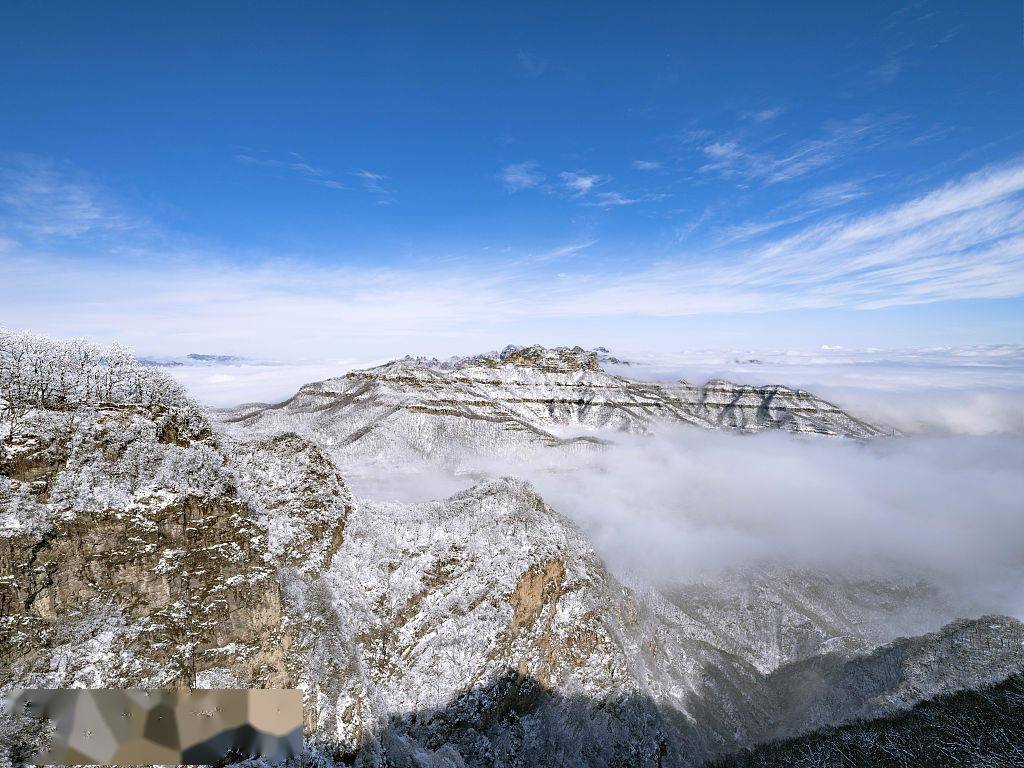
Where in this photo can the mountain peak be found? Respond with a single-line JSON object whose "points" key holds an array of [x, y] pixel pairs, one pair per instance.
{"points": [[536, 356], [551, 359], [561, 359], [521, 399]]}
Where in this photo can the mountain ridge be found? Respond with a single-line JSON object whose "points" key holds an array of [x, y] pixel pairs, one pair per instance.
{"points": [[517, 401]]}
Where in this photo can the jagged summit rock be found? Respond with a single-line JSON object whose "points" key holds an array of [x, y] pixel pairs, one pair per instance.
{"points": [[558, 359], [532, 356]]}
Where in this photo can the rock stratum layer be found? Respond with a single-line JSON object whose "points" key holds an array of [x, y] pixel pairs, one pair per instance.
{"points": [[520, 399]]}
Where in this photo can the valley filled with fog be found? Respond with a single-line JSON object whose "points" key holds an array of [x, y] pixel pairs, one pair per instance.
{"points": [[681, 506], [938, 503]]}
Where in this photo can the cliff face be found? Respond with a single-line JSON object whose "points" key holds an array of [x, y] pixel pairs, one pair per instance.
{"points": [[485, 609], [130, 560], [127, 557]]}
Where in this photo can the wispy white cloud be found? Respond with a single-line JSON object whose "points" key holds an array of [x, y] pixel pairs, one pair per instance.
{"points": [[580, 182], [831, 195], [611, 200], [763, 115], [947, 36], [730, 158], [646, 165], [376, 184], [295, 164], [963, 240], [800, 209], [888, 72], [298, 167], [40, 199], [723, 150], [749, 230], [531, 64], [566, 251], [520, 176], [581, 187]]}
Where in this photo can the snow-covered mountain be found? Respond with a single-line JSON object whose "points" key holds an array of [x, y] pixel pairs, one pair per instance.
{"points": [[193, 358], [142, 547], [512, 402]]}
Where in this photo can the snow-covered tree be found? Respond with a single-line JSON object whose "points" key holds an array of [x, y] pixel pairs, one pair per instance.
{"points": [[39, 372]]}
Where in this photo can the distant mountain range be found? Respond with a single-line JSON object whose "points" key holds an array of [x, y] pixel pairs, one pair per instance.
{"points": [[192, 359]]}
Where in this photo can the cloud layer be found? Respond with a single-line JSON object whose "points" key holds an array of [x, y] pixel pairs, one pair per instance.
{"points": [[686, 504], [963, 240]]}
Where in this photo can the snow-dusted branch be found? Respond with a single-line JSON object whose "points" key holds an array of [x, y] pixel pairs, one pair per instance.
{"points": [[40, 372]]}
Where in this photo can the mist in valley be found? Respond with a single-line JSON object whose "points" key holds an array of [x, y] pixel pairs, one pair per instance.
{"points": [[683, 505], [939, 504]]}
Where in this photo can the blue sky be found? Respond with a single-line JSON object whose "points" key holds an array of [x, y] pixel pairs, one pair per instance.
{"points": [[325, 178]]}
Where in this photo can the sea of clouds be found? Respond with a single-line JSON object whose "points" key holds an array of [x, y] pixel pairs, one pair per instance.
{"points": [[941, 503], [682, 505], [226, 384]]}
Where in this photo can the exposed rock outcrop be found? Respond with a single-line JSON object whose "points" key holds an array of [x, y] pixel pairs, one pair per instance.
{"points": [[129, 558]]}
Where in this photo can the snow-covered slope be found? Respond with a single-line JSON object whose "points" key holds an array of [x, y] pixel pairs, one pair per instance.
{"points": [[141, 548], [133, 560], [517, 400], [482, 626], [837, 688], [129, 559]]}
